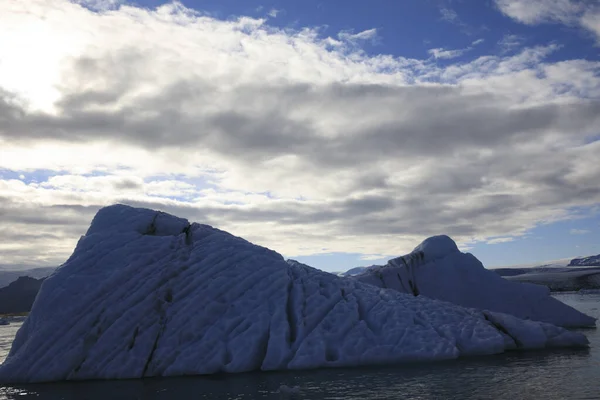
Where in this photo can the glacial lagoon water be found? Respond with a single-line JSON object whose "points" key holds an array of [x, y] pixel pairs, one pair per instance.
{"points": [[555, 374]]}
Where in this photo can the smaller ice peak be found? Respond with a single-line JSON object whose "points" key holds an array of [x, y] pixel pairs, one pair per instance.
{"points": [[122, 218], [439, 270], [436, 247], [431, 249]]}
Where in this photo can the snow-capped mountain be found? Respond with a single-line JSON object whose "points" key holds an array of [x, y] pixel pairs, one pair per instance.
{"points": [[586, 261], [582, 273]]}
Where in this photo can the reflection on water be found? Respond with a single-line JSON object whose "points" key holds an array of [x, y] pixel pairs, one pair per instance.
{"points": [[7, 334], [556, 374]]}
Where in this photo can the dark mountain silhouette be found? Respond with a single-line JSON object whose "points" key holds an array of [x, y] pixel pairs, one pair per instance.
{"points": [[7, 276], [18, 297]]}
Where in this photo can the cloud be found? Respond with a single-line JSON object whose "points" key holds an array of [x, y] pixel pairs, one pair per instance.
{"points": [[273, 13], [500, 240], [538, 11], [366, 35], [449, 15], [510, 42], [291, 139], [478, 41], [583, 14], [591, 21], [579, 231], [373, 257], [441, 53], [100, 5]]}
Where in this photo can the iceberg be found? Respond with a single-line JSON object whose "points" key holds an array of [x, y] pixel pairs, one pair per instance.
{"points": [[148, 294], [439, 270]]}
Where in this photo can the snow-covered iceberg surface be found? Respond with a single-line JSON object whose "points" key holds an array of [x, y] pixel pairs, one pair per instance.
{"points": [[148, 294], [437, 269]]}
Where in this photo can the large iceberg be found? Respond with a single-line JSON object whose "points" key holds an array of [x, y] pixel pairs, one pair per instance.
{"points": [[148, 294], [439, 270]]}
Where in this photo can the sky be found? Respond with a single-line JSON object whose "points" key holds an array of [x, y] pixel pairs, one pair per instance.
{"points": [[338, 133]]}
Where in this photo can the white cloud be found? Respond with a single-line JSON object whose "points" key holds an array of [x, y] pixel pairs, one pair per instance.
{"points": [[273, 13], [465, 247], [537, 11], [478, 41], [579, 231], [500, 240], [510, 42], [366, 35], [293, 140], [372, 257], [441, 53], [569, 12], [591, 21], [449, 15]]}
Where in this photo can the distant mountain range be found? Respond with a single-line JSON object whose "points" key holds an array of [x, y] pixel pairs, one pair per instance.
{"points": [[8, 276], [18, 288], [591, 261], [18, 297], [355, 271], [582, 273], [563, 265]]}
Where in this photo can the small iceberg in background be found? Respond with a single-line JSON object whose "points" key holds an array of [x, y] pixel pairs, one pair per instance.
{"points": [[148, 294]]}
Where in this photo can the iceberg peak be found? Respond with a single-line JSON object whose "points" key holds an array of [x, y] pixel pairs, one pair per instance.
{"points": [[436, 247], [121, 218]]}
